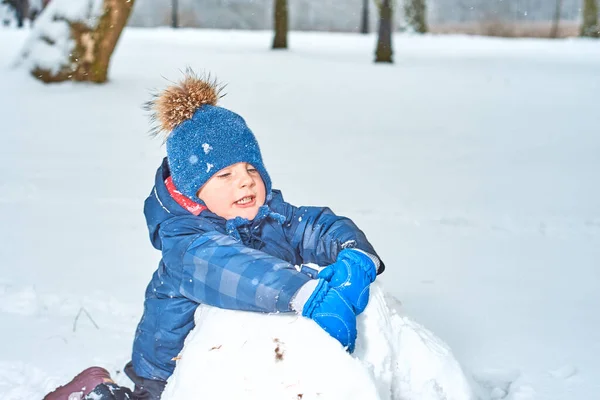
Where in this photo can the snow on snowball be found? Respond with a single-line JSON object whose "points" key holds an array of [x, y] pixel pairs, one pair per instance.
{"points": [[254, 356]]}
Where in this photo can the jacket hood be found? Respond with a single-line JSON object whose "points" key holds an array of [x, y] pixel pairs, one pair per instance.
{"points": [[160, 206]]}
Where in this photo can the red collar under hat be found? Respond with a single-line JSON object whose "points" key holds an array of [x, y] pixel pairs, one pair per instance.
{"points": [[182, 200]]}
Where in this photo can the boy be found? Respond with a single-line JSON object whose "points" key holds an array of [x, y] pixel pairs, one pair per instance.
{"points": [[229, 240]]}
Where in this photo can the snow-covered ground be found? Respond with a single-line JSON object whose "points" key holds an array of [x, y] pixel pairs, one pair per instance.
{"points": [[472, 164]]}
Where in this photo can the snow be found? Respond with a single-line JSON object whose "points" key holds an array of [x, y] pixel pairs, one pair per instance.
{"points": [[288, 357], [472, 165], [49, 45], [87, 11], [7, 14]]}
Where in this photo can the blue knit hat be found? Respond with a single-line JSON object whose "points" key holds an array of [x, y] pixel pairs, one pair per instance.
{"points": [[201, 137]]}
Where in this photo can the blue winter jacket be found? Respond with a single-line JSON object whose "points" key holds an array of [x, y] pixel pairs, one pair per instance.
{"points": [[234, 264]]}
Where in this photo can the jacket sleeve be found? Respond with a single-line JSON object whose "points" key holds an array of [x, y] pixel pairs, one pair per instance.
{"points": [[215, 269], [319, 235]]}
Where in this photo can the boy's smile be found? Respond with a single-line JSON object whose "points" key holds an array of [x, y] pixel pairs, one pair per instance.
{"points": [[247, 201], [235, 191]]}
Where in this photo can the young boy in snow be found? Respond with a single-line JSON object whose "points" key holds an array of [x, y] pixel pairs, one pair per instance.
{"points": [[229, 240]]}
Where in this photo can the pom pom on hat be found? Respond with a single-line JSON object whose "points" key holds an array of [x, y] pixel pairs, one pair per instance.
{"points": [[179, 102], [201, 137]]}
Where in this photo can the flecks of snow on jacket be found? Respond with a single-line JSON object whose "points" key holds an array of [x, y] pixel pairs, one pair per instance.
{"points": [[244, 355], [49, 44]]}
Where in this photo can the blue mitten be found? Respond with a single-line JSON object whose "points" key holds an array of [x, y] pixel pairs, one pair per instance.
{"points": [[332, 312], [351, 275]]}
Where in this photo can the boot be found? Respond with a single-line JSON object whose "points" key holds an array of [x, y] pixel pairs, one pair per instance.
{"points": [[81, 385]]}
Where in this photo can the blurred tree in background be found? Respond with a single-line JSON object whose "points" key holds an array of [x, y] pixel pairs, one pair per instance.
{"points": [[67, 45], [383, 53], [364, 20], [510, 18], [174, 13], [589, 25], [415, 13], [556, 19], [21, 9], [280, 24]]}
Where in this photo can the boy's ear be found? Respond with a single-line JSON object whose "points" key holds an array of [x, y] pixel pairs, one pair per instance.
{"points": [[183, 200]]}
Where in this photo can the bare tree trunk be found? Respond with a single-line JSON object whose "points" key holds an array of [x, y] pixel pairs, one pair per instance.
{"points": [[384, 40], [94, 46], [556, 19], [415, 12], [281, 24], [174, 13], [21, 8], [364, 21], [589, 26]]}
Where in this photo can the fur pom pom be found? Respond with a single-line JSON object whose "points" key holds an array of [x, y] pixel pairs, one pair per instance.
{"points": [[179, 102]]}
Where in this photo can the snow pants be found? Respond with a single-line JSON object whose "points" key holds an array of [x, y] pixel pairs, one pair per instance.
{"points": [[145, 389]]}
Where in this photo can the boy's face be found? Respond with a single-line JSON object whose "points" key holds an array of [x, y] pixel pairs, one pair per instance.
{"points": [[235, 191]]}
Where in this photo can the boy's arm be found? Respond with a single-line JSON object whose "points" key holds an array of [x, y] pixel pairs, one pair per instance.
{"points": [[319, 235], [217, 270]]}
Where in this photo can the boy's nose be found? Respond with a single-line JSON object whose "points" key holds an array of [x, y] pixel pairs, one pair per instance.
{"points": [[246, 180]]}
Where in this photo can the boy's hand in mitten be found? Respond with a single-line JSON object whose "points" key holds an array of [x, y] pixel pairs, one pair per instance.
{"points": [[351, 275], [328, 308]]}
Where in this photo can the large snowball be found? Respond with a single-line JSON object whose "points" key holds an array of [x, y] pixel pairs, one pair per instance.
{"points": [[251, 356]]}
